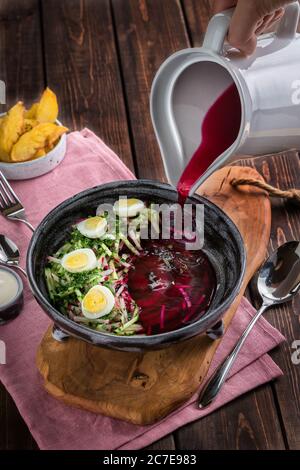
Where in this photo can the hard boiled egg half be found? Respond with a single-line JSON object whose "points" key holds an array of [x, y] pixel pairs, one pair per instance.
{"points": [[98, 302], [80, 260], [94, 227], [128, 207]]}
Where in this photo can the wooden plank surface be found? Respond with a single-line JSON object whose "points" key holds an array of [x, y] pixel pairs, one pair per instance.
{"points": [[197, 16], [82, 67], [166, 443], [100, 57], [148, 31], [21, 67], [21, 62], [284, 172], [249, 423]]}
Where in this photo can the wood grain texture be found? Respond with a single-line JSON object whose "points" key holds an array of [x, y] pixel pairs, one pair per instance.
{"points": [[21, 61], [82, 67], [197, 16], [22, 69], [17, 434], [248, 423], [148, 31], [284, 172], [166, 443], [143, 388]]}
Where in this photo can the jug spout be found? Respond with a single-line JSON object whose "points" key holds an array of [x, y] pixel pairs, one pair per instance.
{"points": [[184, 92]]}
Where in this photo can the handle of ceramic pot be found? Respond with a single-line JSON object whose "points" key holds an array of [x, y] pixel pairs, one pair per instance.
{"points": [[219, 25], [288, 25]]}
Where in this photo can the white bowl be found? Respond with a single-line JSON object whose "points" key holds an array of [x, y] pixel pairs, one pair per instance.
{"points": [[39, 166]]}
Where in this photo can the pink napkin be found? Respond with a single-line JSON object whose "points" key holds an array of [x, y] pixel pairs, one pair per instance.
{"points": [[90, 162]]}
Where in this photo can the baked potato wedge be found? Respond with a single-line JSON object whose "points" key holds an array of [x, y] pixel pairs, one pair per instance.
{"points": [[47, 108], [40, 153], [29, 124], [56, 134], [12, 126], [31, 112], [38, 138]]}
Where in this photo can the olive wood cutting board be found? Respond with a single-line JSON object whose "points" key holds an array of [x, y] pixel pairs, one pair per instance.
{"points": [[142, 388]]}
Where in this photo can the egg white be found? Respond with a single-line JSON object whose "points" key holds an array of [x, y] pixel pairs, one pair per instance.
{"points": [[125, 207], [95, 232], [91, 260], [110, 303]]}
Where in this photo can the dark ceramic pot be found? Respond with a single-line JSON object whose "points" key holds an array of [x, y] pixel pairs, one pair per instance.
{"points": [[223, 245]]}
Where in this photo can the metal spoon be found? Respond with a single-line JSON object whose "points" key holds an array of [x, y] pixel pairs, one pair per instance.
{"points": [[9, 254], [278, 281]]}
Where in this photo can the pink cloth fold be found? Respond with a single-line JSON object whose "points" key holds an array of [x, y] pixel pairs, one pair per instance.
{"points": [[90, 162]]}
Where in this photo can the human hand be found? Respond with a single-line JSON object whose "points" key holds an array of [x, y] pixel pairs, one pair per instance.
{"points": [[250, 19]]}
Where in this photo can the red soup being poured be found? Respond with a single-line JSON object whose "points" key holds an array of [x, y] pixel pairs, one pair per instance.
{"points": [[174, 286], [220, 129]]}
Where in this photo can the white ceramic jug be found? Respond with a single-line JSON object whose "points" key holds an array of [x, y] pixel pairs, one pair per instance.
{"points": [[190, 81]]}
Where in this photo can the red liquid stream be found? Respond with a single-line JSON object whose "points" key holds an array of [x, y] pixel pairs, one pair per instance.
{"points": [[220, 129], [172, 286]]}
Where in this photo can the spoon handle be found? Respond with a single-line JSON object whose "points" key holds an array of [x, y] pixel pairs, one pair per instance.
{"points": [[216, 381]]}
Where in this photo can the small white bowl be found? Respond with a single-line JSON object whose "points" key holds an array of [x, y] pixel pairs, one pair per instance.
{"points": [[39, 166]]}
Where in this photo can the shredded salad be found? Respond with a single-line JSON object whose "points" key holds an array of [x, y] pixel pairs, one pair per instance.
{"points": [[75, 294]]}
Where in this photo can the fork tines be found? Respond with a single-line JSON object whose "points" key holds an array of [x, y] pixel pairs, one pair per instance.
{"points": [[8, 197]]}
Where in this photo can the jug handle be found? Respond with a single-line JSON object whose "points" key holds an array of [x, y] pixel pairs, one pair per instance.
{"points": [[288, 25], [219, 25], [217, 30]]}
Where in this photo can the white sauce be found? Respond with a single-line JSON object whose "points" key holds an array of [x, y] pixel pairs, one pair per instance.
{"points": [[9, 287]]}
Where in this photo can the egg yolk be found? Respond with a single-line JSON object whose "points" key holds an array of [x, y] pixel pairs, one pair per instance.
{"points": [[94, 301], [128, 202], [77, 261], [93, 222]]}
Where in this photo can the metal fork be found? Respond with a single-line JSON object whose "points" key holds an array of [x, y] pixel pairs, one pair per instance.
{"points": [[10, 205]]}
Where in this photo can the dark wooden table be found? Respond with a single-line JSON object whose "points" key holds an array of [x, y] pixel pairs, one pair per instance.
{"points": [[100, 57]]}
